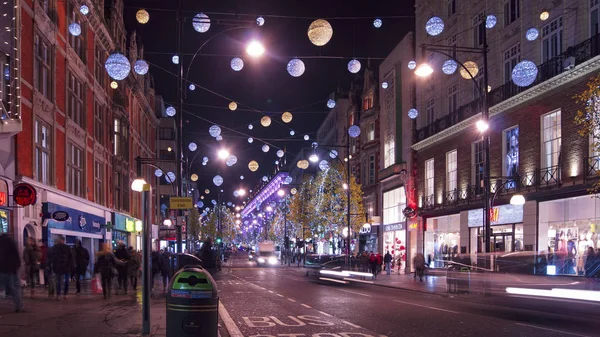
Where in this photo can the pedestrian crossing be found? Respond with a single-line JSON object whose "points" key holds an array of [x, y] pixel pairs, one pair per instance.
{"points": [[230, 282]]}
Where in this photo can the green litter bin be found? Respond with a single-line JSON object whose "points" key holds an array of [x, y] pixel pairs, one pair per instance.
{"points": [[192, 304]]}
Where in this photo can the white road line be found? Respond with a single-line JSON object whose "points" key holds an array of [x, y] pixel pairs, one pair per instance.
{"points": [[355, 293], [279, 295], [553, 330], [428, 307], [233, 330], [306, 306], [324, 313], [291, 300], [351, 324], [271, 291]]}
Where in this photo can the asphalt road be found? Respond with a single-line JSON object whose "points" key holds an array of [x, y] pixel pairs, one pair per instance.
{"points": [[279, 301]]}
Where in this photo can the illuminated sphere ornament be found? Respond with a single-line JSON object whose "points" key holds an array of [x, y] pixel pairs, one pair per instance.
{"points": [[158, 173], [250, 127], [286, 117], [333, 154], [175, 59], [141, 67], [250, 140], [201, 23], [288, 180], [206, 191], [324, 165], [236, 193], [264, 178], [253, 166], [237, 64], [532, 34], [260, 21], [377, 23], [75, 29], [293, 191], [203, 163], [117, 66], [412, 65], [306, 137], [524, 73], [354, 66], [84, 9], [384, 85], [280, 153], [449, 67], [331, 103], [413, 113], [205, 159], [142, 16], [170, 111], [214, 130], [434, 26], [200, 204], [192, 146], [219, 138], [265, 121], [114, 84], [192, 87], [232, 106], [473, 70], [171, 177], [354, 131], [303, 164], [194, 177], [241, 177], [292, 132], [295, 67], [320, 32], [265, 148], [277, 162], [218, 180], [544, 16], [231, 160], [490, 21], [214, 202]]}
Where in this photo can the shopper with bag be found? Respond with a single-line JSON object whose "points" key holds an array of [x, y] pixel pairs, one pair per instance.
{"points": [[105, 264]]}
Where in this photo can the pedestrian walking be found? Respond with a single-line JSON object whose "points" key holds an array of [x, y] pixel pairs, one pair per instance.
{"points": [[82, 261], [373, 264], [31, 259], [379, 262], [61, 265], [44, 263], [419, 262], [105, 264], [122, 257], [9, 270], [165, 267], [387, 259], [133, 265], [155, 260]]}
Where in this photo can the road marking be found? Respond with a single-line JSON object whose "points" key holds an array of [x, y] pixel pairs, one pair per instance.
{"points": [[324, 313], [428, 307], [553, 330], [356, 280], [306, 306], [351, 324], [233, 330], [355, 293], [279, 295], [271, 291], [291, 300]]}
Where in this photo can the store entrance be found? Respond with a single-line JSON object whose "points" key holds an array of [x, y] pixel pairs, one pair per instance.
{"points": [[502, 242]]}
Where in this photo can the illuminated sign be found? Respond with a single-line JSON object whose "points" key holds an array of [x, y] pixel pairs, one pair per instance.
{"points": [[413, 225], [3, 200], [24, 195], [501, 215], [494, 214]]}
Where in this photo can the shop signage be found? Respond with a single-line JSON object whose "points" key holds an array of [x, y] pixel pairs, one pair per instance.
{"points": [[24, 195], [181, 203], [365, 229], [60, 216], [393, 227], [3, 193], [82, 222], [501, 215], [96, 224], [494, 213], [413, 226], [3, 200]]}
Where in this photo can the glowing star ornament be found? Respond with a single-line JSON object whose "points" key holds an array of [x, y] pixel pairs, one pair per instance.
{"points": [[250, 140], [170, 111], [280, 153], [214, 130], [194, 177], [324, 165], [237, 64], [265, 148], [472, 68], [218, 180], [117, 66], [170, 177], [84, 9], [142, 16], [377, 23], [434, 26], [354, 66], [296, 67], [320, 32], [413, 113], [490, 21], [158, 173], [233, 106], [449, 67], [412, 65], [331, 103], [260, 21], [286, 117], [175, 59], [141, 67], [384, 85], [354, 131], [192, 87], [201, 23], [231, 160], [532, 34], [192, 146], [524, 73], [253, 166], [265, 121]]}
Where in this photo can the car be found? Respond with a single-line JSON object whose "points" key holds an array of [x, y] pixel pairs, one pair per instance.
{"points": [[332, 268]]}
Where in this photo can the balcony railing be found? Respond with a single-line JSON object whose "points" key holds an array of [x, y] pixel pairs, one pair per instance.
{"points": [[592, 167], [572, 56]]}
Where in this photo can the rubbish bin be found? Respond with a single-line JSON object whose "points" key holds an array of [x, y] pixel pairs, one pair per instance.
{"points": [[192, 304]]}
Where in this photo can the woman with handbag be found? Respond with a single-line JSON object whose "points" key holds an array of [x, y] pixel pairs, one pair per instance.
{"points": [[31, 257], [105, 265]]}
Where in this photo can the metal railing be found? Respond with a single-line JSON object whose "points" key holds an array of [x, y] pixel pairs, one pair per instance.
{"points": [[592, 167]]}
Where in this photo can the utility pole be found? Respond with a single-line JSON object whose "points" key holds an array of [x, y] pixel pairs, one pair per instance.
{"points": [[180, 121]]}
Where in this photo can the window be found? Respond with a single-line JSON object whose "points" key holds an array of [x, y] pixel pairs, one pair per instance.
{"points": [[552, 35], [452, 98], [117, 137], [510, 151], [478, 30], [371, 132], [478, 85], [352, 145], [98, 179], [75, 100], [368, 102], [118, 196], [364, 174], [394, 202], [371, 170], [5, 87], [99, 70], [166, 134], [551, 139], [389, 155], [43, 67], [478, 165], [594, 17], [451, 171], [511, 11], [77, 42], [451, 7], [429, 176], [42, 152], [75, 170], [512, 56], [99, 122], [430, 111], [125, 188], [47, 7]]}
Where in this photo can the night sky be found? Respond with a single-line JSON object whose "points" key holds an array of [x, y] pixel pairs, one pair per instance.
{"points": [[263, 85]]}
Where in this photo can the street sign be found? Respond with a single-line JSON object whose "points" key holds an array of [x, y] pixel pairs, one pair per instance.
{"points": [[180, 203]]}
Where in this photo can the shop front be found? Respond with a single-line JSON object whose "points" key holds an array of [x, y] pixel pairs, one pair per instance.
{"points": [[442, 239], [506, 229], [367, 238], [4, 209], [394, 227], [124, 230]]}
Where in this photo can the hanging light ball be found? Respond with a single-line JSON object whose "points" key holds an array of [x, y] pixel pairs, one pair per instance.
{"points": [[288, 180], [320, 32], [114, 84], [204, 163], [205, 159], [141, 67], [331, 103], [292, 132], [265, 179], [206, 191], [354, 66], [236, 193], [286, 117], [490, 21], [158, 173], [170, 111], [524, 73], [219, 138], [473, 70], [214, 130], [117, 66], [303, 164], [354, 131], [142, 16], [232, 106], [192, 146], [532, 34], [201, 23], [449, 67], [296, 67], [231, 160], [434, 26], [84, 9], [377, 23], [200, 204], [237, 64], [324, 165], [384, 85], [293, 191], [306, 137], [214, 202], [413, 113], [260, 21], [250, 140], [277, 162], [171, 177], [412, 65], [192, 87], [194, 177], [250, 127], [241, 177], [265, 121], [544, 16], [280, 153], [175, 59], [265, 148], [218, 180], [253, 166]]}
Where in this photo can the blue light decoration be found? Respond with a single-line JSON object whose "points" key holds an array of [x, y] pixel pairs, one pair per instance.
{"points": [[292, 132], [219, 138], [306, 137], [354, 131], [237, 64], [434, 26], [354, 66], [231, 160], [524, 73], [449, 67], [288, 180], [236, 193], [218, 180], [75, 29], [141, 67], [117, 66], [384, 85], [250, 140], [200, 204], [175, 59], [158, 173], [170, 178], [490, 21], [277, 162], [324, 165], [203, 163], [333, 154], [170, 111], [229, 203], [214, 130], [214, 202], [265, 148], [201, 23], [412, 64], [241, 177], [192, 87], [250, 127], [280, 153], [205, 159], [377, 23], [296, 67], [192, 146], [84, 9], [265, 179], [532, 34], [260, 21], [413, 113], [6, 71], [331, 103]]}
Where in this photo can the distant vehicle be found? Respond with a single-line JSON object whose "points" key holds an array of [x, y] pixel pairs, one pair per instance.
{"points": [[266, 254], [251, 255]]}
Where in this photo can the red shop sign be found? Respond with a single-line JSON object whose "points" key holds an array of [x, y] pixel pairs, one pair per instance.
{"points": [[24, 195]]}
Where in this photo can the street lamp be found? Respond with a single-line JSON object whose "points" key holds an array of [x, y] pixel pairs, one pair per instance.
{"points": [[345, 186], [255, 49], [482, 125], [281, 193], [424, 70], [313, 158], [241, 192], [223, 154]]}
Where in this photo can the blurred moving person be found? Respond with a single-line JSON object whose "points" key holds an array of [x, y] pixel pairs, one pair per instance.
{"points": [[387, 259], [61, 261], [9, 268], [31, 258], [82, 261], [419, 262], [105, 264]]}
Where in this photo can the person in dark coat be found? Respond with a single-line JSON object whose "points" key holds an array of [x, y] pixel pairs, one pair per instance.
{"points": [[155, 258], [122, 256], [206, 255], [61, 261], [133, 266], [9, 269], [387, 259], [82, 261], [165, 267], [105, 263], [44, 263], [31, 257]]}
